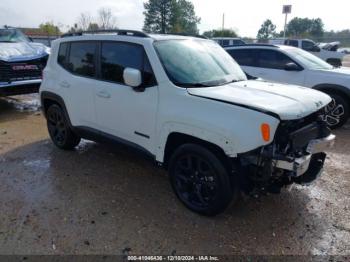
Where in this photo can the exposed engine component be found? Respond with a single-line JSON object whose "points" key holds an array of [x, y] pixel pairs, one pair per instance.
{"points": [[290, 158]]}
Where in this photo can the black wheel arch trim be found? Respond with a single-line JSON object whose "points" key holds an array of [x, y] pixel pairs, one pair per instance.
{"points": [[46, 95], [330, 87]]}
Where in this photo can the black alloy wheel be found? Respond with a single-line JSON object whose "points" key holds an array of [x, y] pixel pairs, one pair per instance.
{"points": [[200, 180], [336, 112], [59, 130]]}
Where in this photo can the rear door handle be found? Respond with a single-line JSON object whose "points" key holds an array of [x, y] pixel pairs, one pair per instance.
{"points": [[65, 84], [103, 94]]}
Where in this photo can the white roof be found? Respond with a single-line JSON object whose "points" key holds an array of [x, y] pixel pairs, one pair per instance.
{"points": [[266, 46]]}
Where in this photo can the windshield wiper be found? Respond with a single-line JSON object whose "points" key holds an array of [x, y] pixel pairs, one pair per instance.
{"points": [[191, 84], [229, 82]]}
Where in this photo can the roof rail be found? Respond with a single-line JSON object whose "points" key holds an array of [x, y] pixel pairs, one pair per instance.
{"points": [[103, 31], [9, 27], [256, 44], [190, 35]]}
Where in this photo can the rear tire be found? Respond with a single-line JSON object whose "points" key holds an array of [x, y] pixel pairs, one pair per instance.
{"points": [[337, 112], [59, 130], [200, 180]]}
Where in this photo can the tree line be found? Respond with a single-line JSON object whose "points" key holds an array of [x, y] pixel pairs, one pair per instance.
{"points": [[297, 27], [170, 16], [179, 16]]}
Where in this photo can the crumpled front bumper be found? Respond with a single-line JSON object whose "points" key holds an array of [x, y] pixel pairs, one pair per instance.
{"points": [[300, 166]]}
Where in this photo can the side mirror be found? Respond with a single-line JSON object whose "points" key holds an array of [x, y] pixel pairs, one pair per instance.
{"points": [[132, 77], [291, 67], [315, 48]]}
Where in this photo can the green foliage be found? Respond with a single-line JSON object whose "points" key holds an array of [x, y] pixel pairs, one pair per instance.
{"points": [[184, 19], [49, 28], [305, 27], [93, 27], [267, 30], [220, 33], [170, 16], [158, 16]]}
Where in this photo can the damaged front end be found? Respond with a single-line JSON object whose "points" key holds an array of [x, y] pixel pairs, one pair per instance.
{"points": [[296, 155]]}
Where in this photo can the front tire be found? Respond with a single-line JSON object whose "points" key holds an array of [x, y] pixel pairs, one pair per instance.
{"points": [[200, 180], [335, 62], [60, 132], [337, 112]]}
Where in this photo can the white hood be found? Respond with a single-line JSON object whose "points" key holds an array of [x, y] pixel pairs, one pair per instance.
{"points": [[20, 51], [345, 71], [288, 101]]}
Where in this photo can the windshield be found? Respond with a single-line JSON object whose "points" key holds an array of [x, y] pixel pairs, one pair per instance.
{"points": [[198, 63], [308, 60], [12, 36]]}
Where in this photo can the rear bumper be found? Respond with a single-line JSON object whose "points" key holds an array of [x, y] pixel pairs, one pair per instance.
{"points": [[300, 165], [20, 87]]}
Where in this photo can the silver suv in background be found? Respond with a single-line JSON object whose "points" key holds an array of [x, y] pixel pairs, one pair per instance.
{"points": [[290, 65], [330, 56]]}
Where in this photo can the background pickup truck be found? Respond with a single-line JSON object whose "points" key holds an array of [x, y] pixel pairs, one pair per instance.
{"points": [[21, 63], [332, 57]]}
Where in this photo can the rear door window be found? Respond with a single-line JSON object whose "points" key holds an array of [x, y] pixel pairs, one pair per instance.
{"points": [[244, 57], [292, 43], [225, 42], [82, 58], [307, 45], [272, 59]]}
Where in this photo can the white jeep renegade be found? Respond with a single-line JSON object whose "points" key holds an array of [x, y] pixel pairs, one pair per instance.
{"points": [[185, 102]]}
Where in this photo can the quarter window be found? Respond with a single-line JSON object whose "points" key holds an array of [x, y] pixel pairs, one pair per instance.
{"points": [[62, 55], [82, 58]]}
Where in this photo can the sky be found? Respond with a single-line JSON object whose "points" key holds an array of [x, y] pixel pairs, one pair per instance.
{"points": [[245, 16]]}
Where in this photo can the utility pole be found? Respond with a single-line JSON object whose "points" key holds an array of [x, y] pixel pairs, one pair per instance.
{"points": [[223, 21], [287, 9], [285, 26]]}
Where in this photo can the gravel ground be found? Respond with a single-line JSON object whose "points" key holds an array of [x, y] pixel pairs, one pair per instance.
{"points": [[102, 200], [346, 61]]}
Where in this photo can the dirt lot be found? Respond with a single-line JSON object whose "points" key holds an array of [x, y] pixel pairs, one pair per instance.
{"points": [[102, 200], [346, 61]]}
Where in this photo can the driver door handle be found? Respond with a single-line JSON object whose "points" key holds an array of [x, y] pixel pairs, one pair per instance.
{"points": [[103, 94]]}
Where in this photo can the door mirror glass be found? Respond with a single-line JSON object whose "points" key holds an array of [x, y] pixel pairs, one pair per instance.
{"points": [[291, 67], [132, 77], [315, 48]]}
